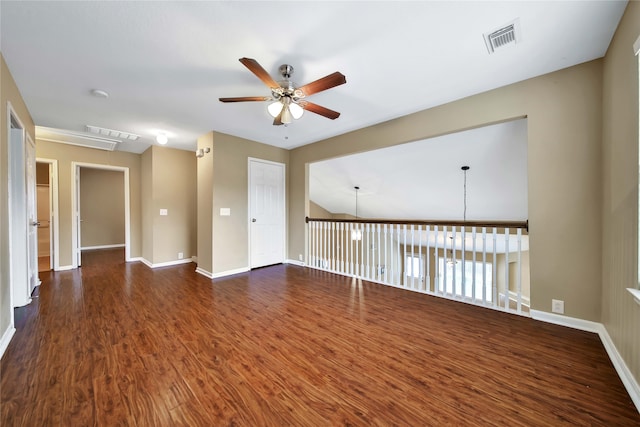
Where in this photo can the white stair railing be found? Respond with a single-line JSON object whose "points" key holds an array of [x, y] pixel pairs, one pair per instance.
{"points": [[482, 263]]}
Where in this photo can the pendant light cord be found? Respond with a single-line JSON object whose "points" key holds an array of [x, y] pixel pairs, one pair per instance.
{"points": [[357, 188]]}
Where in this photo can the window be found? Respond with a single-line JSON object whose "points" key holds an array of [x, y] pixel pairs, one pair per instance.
{"points": [[472, 288], [413, 266]]}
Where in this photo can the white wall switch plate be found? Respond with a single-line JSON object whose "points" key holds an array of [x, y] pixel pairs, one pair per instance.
{"points": [[180, 255], [164, 212], [225, 211]]}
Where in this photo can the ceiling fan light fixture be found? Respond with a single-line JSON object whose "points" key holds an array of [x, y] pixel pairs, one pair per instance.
{"points": [[296, 110], [285, 117], [275, 108]]}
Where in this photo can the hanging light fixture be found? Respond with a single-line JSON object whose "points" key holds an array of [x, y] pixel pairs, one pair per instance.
{"points": [[356, 234], [464, 170], [451, 260]]}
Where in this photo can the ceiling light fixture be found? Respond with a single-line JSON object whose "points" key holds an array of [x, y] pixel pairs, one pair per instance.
{"points": [[286, 109], [98, 93], [162, 138]]}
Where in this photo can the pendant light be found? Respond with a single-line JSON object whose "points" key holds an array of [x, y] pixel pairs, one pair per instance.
{"points": [[356, 234], [452, 261]]}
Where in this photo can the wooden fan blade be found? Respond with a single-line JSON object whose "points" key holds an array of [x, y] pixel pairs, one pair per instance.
{"points": [[260, 72], [327, 82], [245, 99], [318, 109]]}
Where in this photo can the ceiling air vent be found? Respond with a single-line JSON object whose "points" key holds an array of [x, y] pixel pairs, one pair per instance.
{"points": [[508, 35], [112, 133]]}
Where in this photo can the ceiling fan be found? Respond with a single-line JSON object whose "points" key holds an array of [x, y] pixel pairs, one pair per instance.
{"points": [[289, 101]]}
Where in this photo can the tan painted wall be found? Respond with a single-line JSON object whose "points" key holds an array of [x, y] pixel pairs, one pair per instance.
{"points": [[317, 211], [173, 183], [146, 203], [8, 93], [564, 115], [620, 315], [230, 190], [66, 154], [101, 207], [205, 205]]}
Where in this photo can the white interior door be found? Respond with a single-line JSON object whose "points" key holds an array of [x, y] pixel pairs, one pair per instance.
{"points": [[78, 221], [266, 213], [32, 215], [18, 252]]}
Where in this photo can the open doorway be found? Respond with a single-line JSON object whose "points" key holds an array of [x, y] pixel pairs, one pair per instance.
{"points": [[47, 214], [101, 210]]}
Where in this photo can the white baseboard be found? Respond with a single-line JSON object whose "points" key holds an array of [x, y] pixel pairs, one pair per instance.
{"points": [[294, 262], [629, 381], [571, 322], [230, 272], [204, 272], [513, 296], [163, 264], [64, 268], [6, 339], [92, 248]]}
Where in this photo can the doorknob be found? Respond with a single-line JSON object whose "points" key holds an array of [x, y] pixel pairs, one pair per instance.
{"points": [[35, 223], [253, 220]]}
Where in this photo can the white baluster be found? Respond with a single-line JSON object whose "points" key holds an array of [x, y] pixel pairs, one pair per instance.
{"points": [[506, 269]]}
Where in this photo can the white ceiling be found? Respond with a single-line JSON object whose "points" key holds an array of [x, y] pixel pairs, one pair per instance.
{"points": [[165, 64], [424, 180]]}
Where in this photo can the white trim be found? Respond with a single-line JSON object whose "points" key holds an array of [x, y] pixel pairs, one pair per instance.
{"points": [[571, 322], [627, 378], [630, 383], [91, 248], [6, 339], [163, 264], [230, 272], [636, 46], [75, 172], [294, 262], [64, 268], [55, 211], [513, 296], [204, 272], [635, 293]]}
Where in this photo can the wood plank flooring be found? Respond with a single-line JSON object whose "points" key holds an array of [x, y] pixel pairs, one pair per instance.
{"points": [[121, 344]]}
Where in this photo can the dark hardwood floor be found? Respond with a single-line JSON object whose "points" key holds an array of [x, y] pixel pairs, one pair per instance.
{"points": [[121, 344]]}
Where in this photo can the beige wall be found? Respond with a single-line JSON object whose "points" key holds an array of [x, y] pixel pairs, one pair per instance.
{"points": [[66, 154], [620, 314], [205, 205], [317, 211], [8, 93], [171, 175], [230, 190], [146, 203], [564, 115], [101, 207]]}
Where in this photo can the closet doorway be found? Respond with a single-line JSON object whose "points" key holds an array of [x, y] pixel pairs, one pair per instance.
{"points": [[47, 213]]}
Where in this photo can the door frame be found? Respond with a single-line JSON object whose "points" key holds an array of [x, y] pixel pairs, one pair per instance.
{"points": [[13, 116], [284, 206], [75, 208], [54, 222]]}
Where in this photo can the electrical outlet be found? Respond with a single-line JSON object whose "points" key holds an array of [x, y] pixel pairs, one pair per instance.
{"points": [[180, 255], [300, 257], [557, 306]]}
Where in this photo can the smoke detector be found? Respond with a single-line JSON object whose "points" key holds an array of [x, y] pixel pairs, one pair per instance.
{"points": [[507, 35]]}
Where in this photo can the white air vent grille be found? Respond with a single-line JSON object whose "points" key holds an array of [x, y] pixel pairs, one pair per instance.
{"points": [[505, 36], [112, 133]]}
